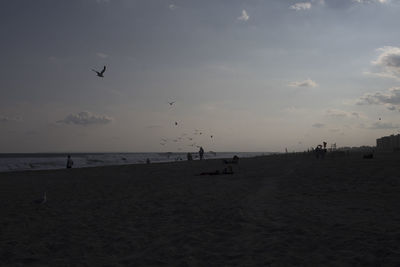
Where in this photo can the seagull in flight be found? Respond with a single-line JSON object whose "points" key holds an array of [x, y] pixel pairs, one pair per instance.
{"points": [[171, 103], [100, 74]]}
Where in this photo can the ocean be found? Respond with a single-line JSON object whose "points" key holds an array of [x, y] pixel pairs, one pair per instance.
{"points": [[10, 162]]}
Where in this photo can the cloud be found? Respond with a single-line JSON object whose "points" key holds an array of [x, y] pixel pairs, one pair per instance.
{"points": [[86, 118], [301, 6], [371, 1], [9, 119], [345, 4], [172, 7], [305, 83], [388, 62], [343, 114], [390, 99], [384, 125], [102, 55], [318, 125], [244, 16]]}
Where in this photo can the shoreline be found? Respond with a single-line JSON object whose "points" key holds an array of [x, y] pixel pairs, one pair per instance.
{"points": [[96, 160]]}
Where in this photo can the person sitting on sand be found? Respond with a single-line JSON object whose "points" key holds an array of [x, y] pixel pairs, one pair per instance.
{"points": [[69, 162], [227, 170], [216, 172], [235, 160]]}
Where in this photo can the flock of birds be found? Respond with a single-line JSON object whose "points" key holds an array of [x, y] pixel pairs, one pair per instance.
{"points": [[191, 140]]}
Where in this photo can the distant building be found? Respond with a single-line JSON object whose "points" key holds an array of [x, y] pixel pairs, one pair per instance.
{"points": [[388, 143]]}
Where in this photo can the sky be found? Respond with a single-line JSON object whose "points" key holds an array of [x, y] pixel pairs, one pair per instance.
{"points": [[256, 75]]}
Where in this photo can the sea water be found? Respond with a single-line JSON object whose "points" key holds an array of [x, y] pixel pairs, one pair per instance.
{"points": [[43, 161]]}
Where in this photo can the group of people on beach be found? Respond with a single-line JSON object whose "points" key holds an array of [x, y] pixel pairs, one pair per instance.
{"points": [[70, 162]]}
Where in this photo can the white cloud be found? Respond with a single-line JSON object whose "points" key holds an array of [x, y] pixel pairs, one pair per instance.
{"points": [[244, 16], [172, 7], [305, 83], [102, 55], [390, 99], [388, 62], [318, 125], [85, 118], [301, 6]]}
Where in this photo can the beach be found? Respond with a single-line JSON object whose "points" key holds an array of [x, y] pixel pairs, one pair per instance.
{"points": [[279, 210]]}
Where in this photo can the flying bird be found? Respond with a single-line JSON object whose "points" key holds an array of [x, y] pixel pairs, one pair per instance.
{"points": [[176, 123], [41, 200], [211, 136], [100, 74], [171, 103]]}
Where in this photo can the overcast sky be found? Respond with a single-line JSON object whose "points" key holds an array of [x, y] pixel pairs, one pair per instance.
{"points": [[257, 75]]}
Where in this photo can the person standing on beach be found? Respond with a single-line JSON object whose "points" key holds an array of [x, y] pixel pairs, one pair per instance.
{"points": [[201, 153], [69, 162]]}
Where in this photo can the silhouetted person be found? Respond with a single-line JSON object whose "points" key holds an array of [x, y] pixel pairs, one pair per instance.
{"points": [[147, 161], [201, 153], [100, 74], [319, 152], [69, 162], [189, 156], [324, 150]]}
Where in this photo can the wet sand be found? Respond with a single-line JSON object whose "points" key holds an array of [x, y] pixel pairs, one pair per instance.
{"points": [[274, 210]]}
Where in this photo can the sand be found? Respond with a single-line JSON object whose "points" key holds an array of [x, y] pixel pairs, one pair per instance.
{"points": [[273, 211]]}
